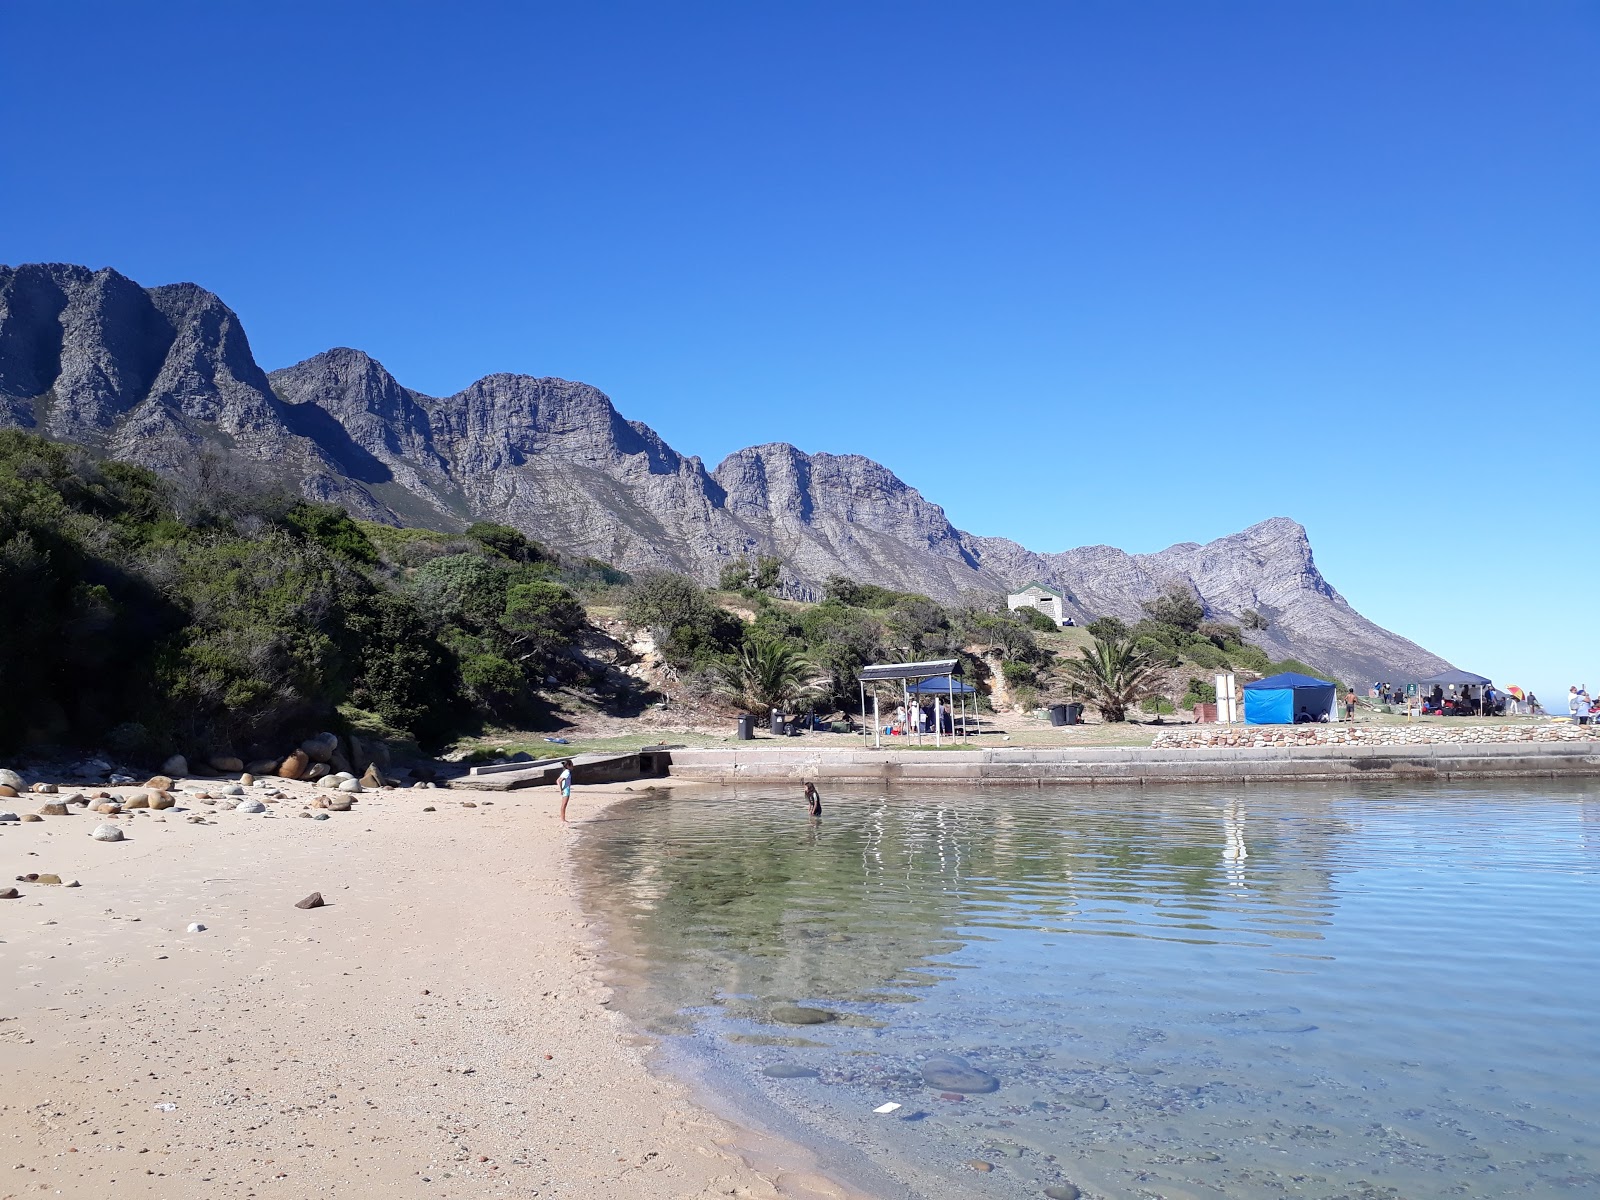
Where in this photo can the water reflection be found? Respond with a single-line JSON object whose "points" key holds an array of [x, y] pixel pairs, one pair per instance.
{"points": [[1183, 992]]}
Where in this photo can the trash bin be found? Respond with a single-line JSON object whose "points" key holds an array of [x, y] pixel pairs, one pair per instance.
{"points": [[747, 727], [1058, 714], [776, 722], [1074, 714]]}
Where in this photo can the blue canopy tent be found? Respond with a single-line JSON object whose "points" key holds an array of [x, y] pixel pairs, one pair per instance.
{"points": [[941, 685], [1278, 699]]}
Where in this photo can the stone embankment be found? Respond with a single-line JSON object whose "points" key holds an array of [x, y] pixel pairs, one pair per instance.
{"points": [[1371, 735]]}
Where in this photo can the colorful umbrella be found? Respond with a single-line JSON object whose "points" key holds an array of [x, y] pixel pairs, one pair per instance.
{"points": [[1514, 691]]}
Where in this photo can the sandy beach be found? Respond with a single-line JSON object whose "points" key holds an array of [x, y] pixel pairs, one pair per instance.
{"points": [[436, 1030]]}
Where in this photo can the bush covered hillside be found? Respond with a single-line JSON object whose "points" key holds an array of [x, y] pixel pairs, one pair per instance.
{"points": [[201, 615]]}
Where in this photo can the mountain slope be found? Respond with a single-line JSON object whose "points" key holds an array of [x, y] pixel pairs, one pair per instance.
{"points": [[158, 375]]}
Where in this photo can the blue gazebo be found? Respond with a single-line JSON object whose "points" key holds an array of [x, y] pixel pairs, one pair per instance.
{"points": [[1279, 699]]}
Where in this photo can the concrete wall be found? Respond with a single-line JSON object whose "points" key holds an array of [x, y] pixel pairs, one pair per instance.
{"points": [[1118, 765]]}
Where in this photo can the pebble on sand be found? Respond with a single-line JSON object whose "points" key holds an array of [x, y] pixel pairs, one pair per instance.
{"points": [[8, 817], [106, 833], [195, 927], [250, 805], [312, 901]]}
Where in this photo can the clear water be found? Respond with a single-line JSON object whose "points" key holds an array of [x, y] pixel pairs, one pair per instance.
{"points": [[1319, 991]]}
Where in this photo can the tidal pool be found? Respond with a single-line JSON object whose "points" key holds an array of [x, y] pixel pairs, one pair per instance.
{"points": [[1338, 992]]}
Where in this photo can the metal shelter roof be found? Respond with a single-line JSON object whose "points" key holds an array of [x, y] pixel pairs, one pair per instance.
{"points": [[911, 670], [1456, 677]]}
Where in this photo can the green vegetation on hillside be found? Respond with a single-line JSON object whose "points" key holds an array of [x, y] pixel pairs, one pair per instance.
{"points": [[149, 617]]}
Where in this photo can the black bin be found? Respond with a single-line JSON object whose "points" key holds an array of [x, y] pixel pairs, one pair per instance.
{"points": [[1058, 714], [1074, 714], [747, 727], [775, 722]]}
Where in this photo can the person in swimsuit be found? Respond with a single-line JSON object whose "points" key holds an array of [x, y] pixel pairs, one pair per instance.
{"points": [[813, 800], [564, 782]]}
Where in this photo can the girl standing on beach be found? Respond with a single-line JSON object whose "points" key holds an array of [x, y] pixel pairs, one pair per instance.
{"points": [[564, 782]]}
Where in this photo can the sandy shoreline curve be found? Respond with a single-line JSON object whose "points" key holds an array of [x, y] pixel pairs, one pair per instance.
{"points": [[437, 1030]]}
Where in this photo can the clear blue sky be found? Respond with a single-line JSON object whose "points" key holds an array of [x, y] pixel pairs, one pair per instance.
{"points": [[1063, 266]]}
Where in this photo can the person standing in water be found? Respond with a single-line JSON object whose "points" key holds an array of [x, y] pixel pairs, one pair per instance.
{"points": [[813, 800], [564, 782]]}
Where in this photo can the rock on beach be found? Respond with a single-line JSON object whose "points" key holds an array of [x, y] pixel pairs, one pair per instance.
{"points": [[106, 833]]}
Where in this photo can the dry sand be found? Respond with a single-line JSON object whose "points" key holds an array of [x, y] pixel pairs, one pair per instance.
{"points": [[436, 1031]]}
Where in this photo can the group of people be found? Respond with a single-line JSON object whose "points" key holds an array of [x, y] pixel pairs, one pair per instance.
{"points": [[1582, 709], [918, 719]]}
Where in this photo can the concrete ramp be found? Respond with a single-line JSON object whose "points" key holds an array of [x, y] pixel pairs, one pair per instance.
{"points": [[586, 768]]}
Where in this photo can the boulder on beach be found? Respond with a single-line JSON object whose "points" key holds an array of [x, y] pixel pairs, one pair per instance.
{"points": [[295, 766], [8, 791], [45, 789], [250, 805], [159, 783], [108, 808], [6, 817], [177, 766], [370, 777], [320, 749], [247, 779], [137, 800], [314, 900], [263, 766], [350, 785], [318, 770], [338, 802], [162, 800], [106, 833], [54, 808], [226, 764], [11, 779]]}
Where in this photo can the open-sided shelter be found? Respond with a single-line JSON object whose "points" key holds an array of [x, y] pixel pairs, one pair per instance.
{"points": [[911, 676], [1278, 699], [1461, 690]]}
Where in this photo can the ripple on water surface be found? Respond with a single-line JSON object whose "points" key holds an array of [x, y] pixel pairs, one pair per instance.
{"points": [[1327, 992]]}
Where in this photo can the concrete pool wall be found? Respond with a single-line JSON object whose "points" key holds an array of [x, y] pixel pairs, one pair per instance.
{"points": [[1240, 764]]}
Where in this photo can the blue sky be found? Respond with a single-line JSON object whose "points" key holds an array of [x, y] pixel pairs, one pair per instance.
{"points": [[1066, 267]]}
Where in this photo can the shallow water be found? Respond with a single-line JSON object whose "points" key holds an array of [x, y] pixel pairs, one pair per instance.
{"points": [[1322, 991]]}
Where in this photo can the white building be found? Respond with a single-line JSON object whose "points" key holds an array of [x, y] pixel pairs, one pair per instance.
{"points": [[1036, 595]]}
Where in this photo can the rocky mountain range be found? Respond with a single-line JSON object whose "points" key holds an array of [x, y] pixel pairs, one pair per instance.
{"points": [[162, 376]]}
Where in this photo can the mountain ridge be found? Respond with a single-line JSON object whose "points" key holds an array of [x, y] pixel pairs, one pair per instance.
{"points": [[154, 375]]}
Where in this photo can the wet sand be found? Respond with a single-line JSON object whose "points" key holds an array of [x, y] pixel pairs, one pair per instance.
{"points": [[437, 1030]]}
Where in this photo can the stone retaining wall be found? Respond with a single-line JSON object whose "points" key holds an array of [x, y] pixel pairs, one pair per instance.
{"points": [[1372, 735], [1238, 764]]}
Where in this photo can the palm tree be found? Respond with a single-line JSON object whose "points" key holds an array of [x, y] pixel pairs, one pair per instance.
{"points": [[1112, 674], [768, 673]]}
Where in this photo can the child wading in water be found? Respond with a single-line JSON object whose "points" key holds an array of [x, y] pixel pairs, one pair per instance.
{"points": [[813, 800], [564, 782]]}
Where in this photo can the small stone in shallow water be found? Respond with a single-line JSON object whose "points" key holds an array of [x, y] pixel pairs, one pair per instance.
{"points": [[953, 1074], [788, 1071], [799, 1014], [1092, 1103], [1062, 1191]]}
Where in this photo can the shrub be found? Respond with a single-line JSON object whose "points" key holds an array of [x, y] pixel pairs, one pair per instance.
{"points": [[1177, 607], [1036, 620]]}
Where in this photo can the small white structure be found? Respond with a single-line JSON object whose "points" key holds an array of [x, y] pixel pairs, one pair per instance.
{"points": [[1036, 595]]}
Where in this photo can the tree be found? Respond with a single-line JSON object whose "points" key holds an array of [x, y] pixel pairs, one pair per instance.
{"points": [[1107, 628], [540, 619], [506, 542], [690, 630], [768, 673], [1112, 674], [1177, 607], [768, 573], [735, 575]]}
